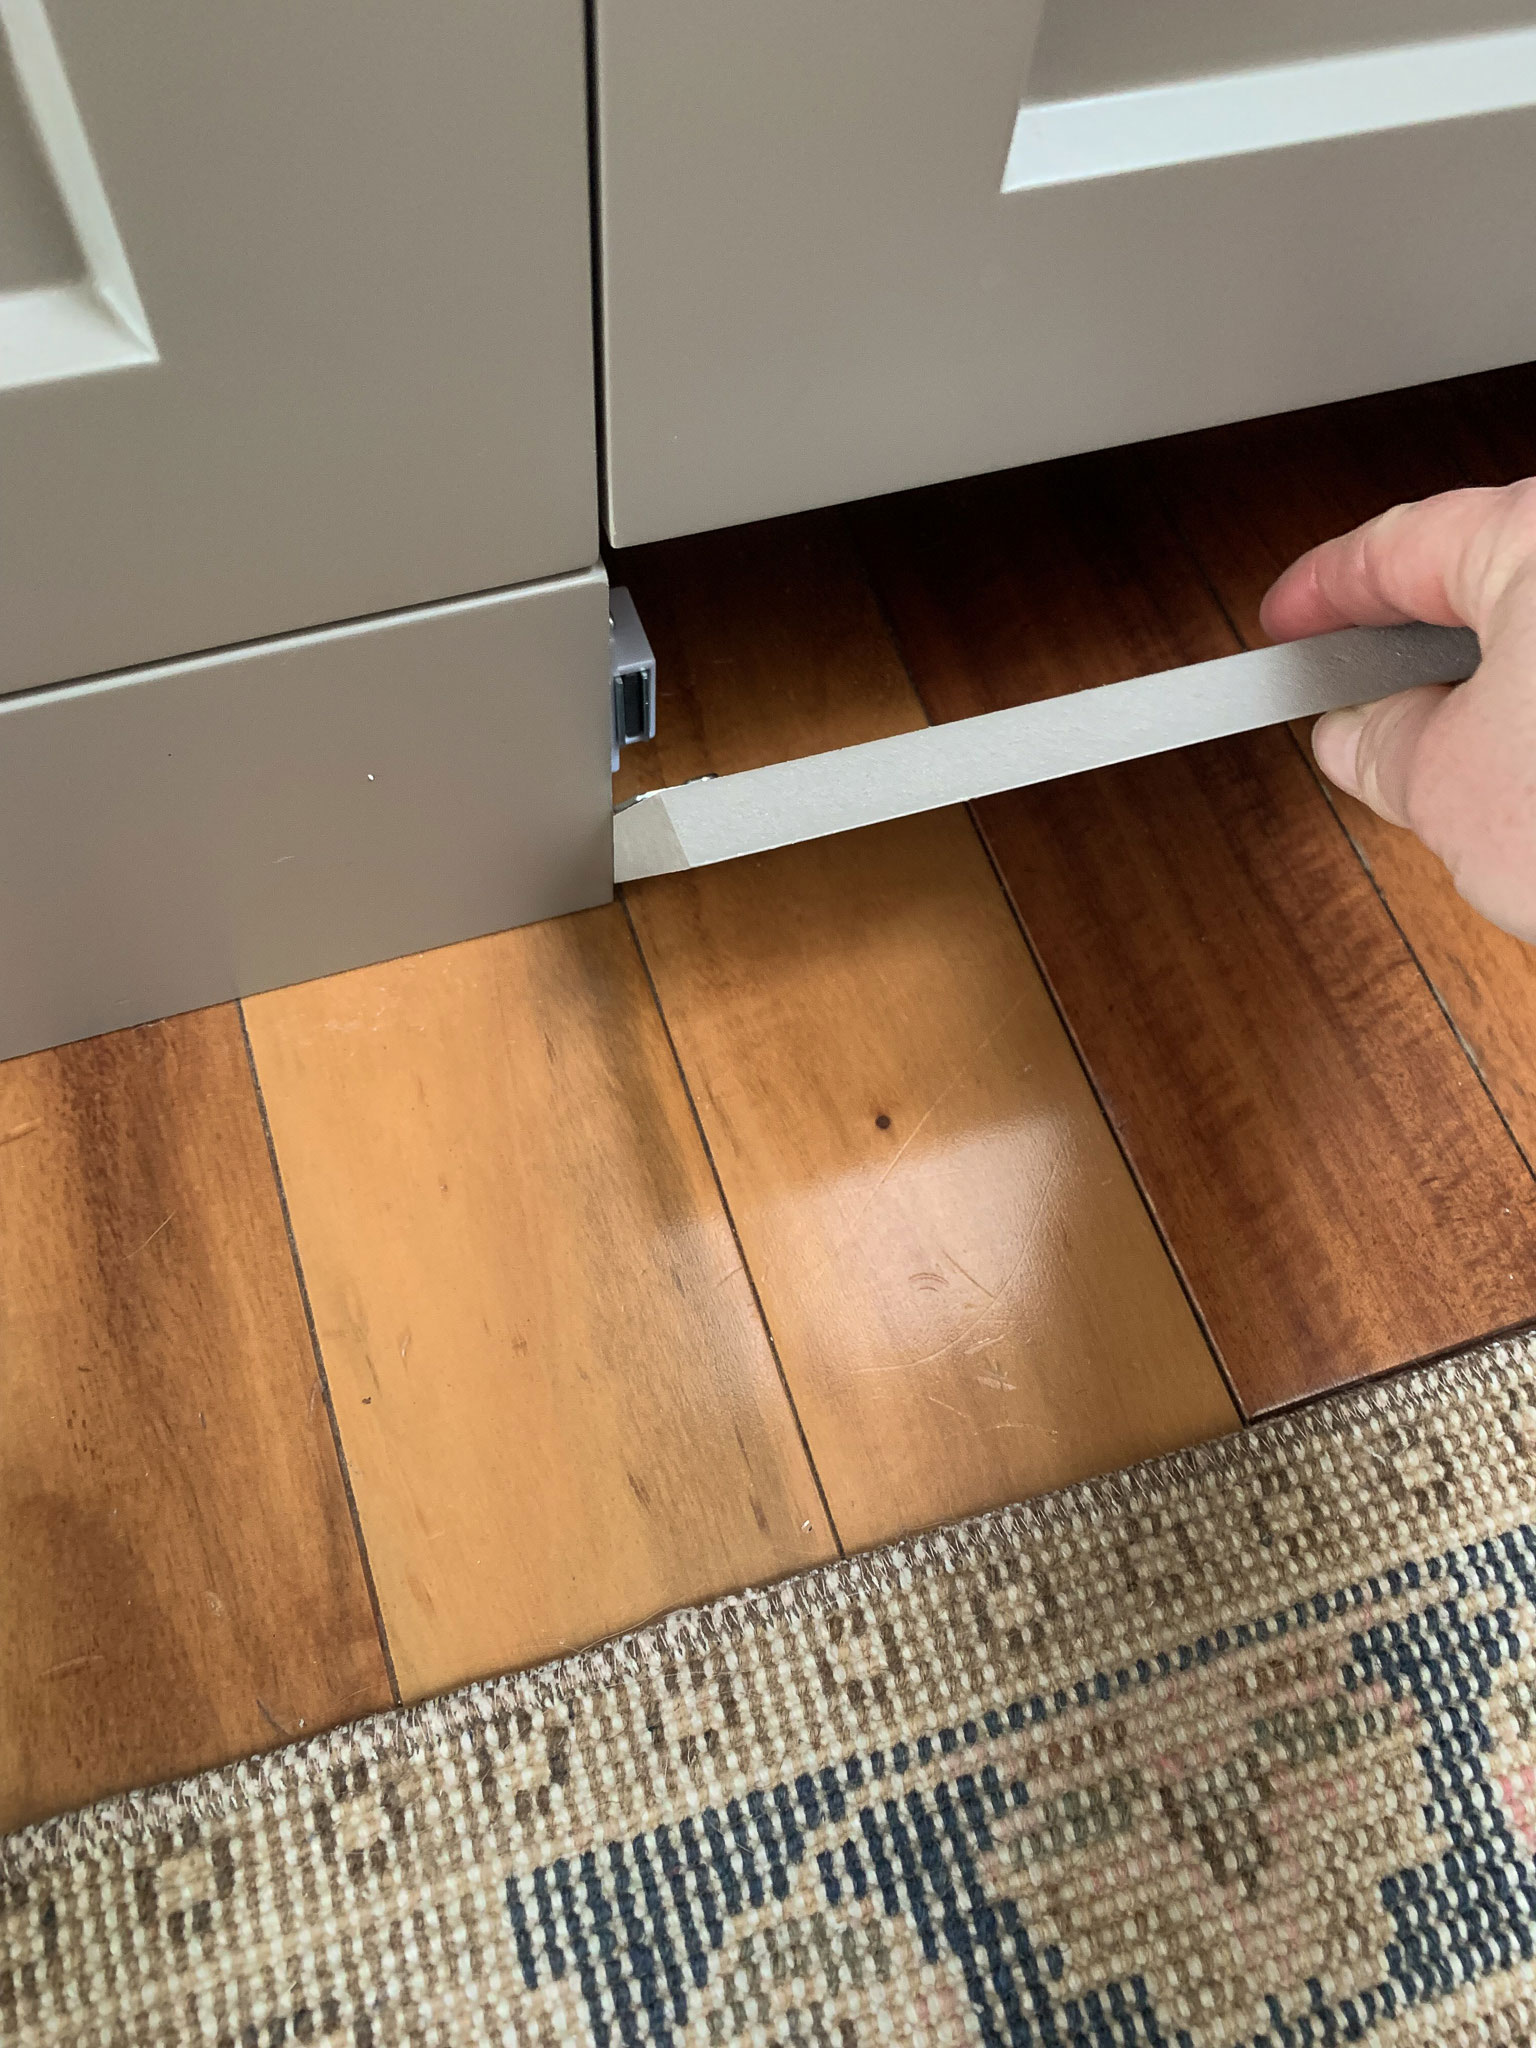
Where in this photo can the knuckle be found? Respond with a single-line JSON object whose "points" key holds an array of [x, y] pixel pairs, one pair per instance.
{"points": [[1508, 553], [1519, 520]]}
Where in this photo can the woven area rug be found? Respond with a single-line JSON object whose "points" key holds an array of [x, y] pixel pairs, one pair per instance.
{"points": [[1237, 1747]]}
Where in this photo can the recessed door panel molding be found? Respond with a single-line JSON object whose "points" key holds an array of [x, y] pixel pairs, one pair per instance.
{"points": [[72, 306], [1192, 106], [295, 318], [849, 250], [1091, 48]]}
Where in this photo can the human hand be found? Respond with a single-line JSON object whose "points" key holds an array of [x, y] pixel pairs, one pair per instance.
{"points": [[1455, 765]]}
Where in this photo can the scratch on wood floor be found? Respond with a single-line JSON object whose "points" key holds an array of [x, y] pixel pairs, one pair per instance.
{"points": [[988, 1429], [21, 1130], [959, 1072], [71, 1664], [272, 1721], [1027, 1238], [144, 1247], [980, 1286]]}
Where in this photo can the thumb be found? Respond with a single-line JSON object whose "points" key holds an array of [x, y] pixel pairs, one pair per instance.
{"points": [[1370, 749]]}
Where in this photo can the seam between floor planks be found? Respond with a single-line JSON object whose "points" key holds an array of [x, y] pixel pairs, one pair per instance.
{"points": [[1429, 981], [1021, 584], [1130, 1165], [555, 1392], [1322, 472], [746, 1264], [893, 636], [314, 1344], [184, 1584], [1242, 642], [781, 620]]}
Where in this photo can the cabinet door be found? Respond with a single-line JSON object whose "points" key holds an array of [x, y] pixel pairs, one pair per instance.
{"points": [[294, 317], [852, 248]]}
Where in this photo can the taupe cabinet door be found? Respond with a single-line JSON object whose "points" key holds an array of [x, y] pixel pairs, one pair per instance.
{"points": [[848, 248], [294, 317]]}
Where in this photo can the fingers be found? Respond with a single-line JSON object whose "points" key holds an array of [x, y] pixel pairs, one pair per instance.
{"points": [[1456, 766], [1372, 750], [1446, 561]]}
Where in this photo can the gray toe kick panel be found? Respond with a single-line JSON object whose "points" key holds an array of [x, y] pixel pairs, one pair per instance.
{"points": [[181, 834]]}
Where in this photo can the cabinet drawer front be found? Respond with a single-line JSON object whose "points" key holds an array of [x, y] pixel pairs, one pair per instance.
{"points": [[850, 249], [208, 828]]}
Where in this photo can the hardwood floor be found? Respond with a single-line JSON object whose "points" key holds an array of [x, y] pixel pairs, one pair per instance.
{"points": [[180, 1580], [555, 1394], [1250, 499], [485, 1303], [968, 1297], [1337, 1187]]}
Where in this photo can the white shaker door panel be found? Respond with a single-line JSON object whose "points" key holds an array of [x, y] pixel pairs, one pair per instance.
{"points": [[847, 249], [294, 317]]}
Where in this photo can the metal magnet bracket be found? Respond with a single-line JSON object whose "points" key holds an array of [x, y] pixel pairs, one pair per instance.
{"points": [[632, 670]]}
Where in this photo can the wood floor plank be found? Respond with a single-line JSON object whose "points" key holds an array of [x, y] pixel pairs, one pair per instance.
{"points": [[180, 1581], [559, 1406], [1250, 499], [1340, 1193], [968, 1298]]}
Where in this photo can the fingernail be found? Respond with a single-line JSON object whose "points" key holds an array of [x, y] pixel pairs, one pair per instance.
{"points": [[1336, 744]]}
